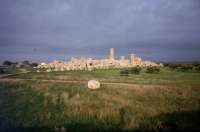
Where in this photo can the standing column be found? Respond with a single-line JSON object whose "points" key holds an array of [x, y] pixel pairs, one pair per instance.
{"points": [[112, 54], [131, 58]]}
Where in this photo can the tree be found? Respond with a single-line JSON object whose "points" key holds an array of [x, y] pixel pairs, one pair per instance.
{"points": [[7, 63], [34, 64]]}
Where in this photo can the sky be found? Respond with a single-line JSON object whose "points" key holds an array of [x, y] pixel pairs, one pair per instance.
{"points": [[44, 30]]}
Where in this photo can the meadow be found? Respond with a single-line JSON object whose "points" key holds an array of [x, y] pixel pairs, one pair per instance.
{"points": [[168, 100], [165, 76]]}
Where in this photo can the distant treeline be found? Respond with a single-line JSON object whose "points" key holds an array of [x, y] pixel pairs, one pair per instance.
{"points": [[138, 70], [22, 64], [11, 67], [195, 67], [183, 67]]}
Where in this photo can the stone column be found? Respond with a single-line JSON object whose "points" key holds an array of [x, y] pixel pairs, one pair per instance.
{"points": [[131, 58], [112, 54]]}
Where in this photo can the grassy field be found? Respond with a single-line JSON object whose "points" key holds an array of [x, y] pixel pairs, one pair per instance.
{"points": [[165, 76], [166, 101]]}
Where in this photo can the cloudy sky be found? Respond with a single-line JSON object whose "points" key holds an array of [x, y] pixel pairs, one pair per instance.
{"points": [[43, 30]]}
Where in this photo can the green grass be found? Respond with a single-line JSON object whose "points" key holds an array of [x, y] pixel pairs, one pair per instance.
{"points": [[10, 71], [33, 105], [168, 100], [165, 77]]}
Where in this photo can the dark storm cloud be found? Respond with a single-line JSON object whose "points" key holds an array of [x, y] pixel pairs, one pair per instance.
{"points": [[50, 29]]}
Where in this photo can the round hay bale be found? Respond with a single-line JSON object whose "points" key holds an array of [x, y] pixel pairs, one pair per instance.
{"points": [[93, 84]]}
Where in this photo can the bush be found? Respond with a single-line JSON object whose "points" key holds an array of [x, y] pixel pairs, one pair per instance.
{"points": [[34, 64], [173, 66], [135, 70], [2, 71], [181, 67], [124, 72], [186, 67], [9, 63], [197, 68], [153, 69]]}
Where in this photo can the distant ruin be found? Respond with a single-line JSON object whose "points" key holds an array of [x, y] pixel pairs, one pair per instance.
{"points": [[90, 63]]}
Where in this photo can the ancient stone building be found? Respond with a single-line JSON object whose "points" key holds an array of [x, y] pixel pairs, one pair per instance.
{"points": [[90, 63]]}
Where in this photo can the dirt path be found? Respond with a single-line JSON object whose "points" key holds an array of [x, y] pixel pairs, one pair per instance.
{"points": [[63, 81], [4, 79], [81, 82]]}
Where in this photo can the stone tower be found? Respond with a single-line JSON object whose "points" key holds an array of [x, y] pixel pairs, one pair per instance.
{"points": [[112, 54]]}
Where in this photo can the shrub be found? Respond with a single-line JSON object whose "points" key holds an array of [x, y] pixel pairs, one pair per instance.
{"points": [[135, 70], [186, 67], [197, 68], [153, 69], [181, 67], [34, 64], [2, 71], [124, 72], [9, 63], [173, 66]]}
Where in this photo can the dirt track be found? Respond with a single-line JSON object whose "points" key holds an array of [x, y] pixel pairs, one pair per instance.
{"points": [[121, 84], [66, 81]]}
